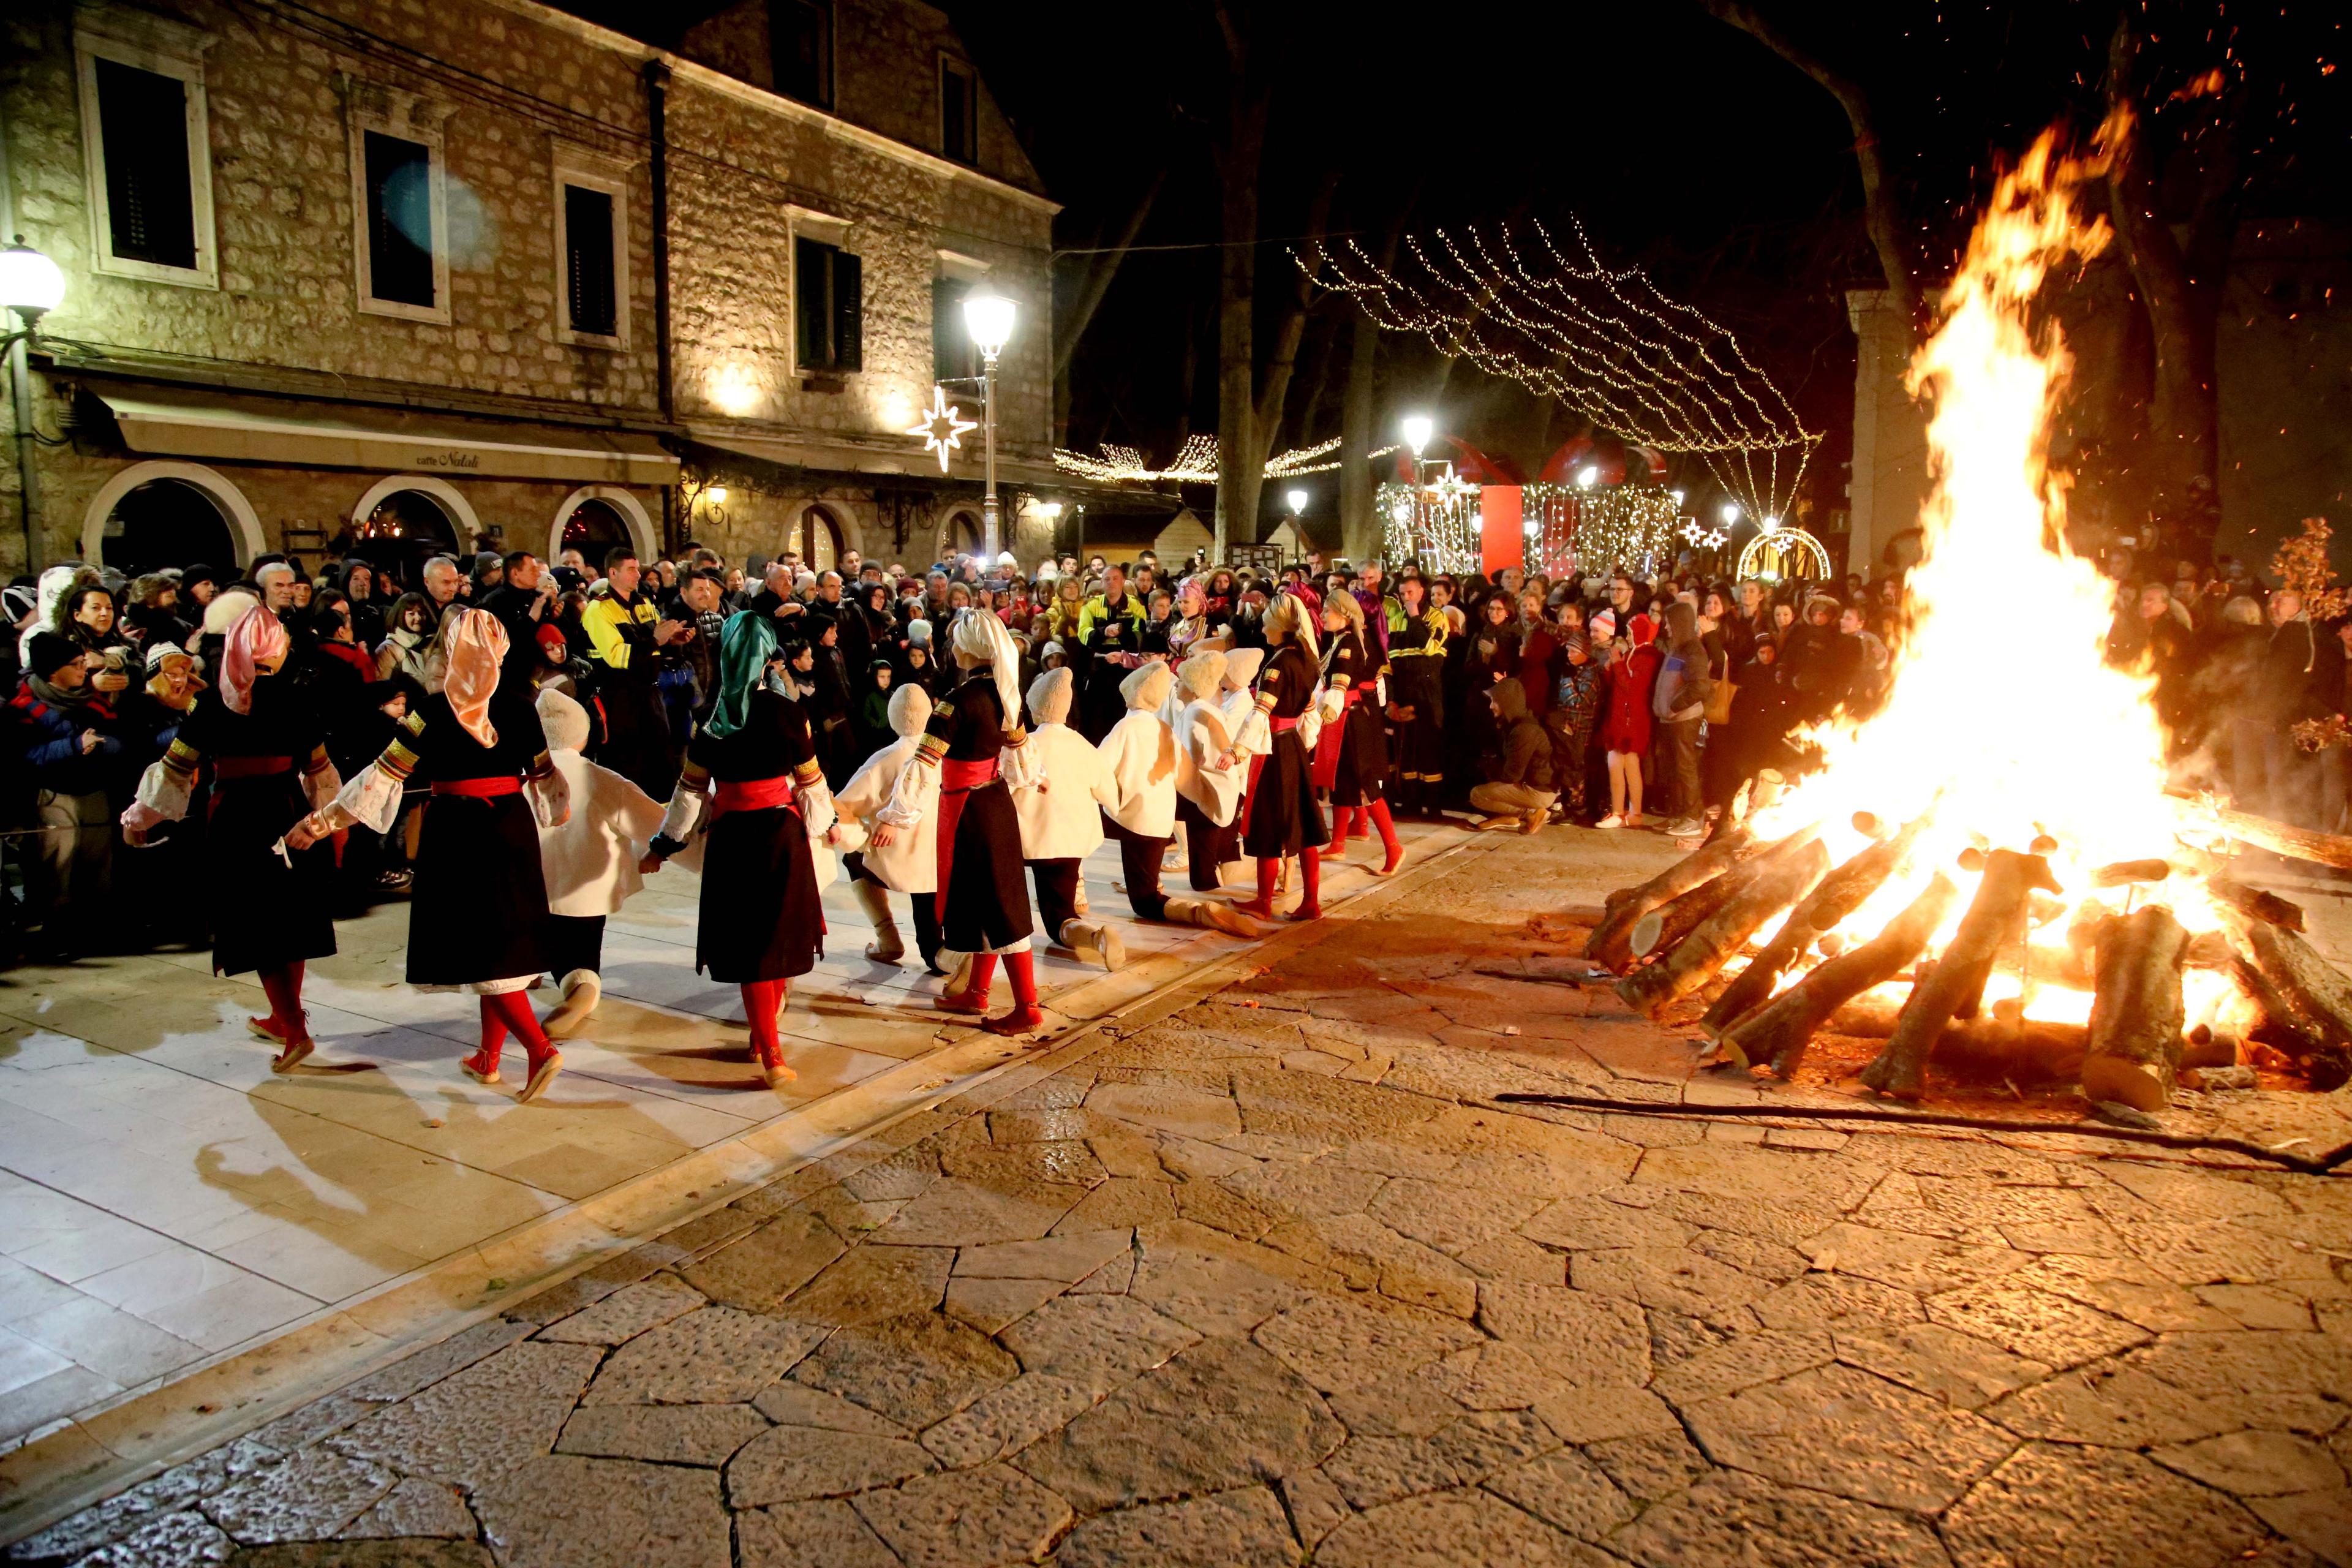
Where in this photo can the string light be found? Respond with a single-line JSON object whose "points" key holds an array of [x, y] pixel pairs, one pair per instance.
{"points": [[1605, 341], [1780, 555], [941, 428], [1618, 528], [1195, 463]]}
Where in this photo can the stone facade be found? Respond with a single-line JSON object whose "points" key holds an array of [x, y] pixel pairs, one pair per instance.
{"points": [[513, 91]]}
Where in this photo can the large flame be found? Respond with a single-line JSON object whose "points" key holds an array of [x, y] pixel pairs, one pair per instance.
{"points": [[2004, 718]]}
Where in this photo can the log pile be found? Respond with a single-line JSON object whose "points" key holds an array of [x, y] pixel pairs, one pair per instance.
{"points": [[1670, 937]]}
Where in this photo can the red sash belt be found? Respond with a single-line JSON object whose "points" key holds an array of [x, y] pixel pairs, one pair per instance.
{"points": [[751, 795], [479, 789], [1283, 726], [250, 767], [957, 781], [1329, 744]]}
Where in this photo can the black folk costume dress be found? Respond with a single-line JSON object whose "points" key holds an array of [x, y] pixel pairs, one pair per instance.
{"points": [[762, 916], [983, 900], [268, 767], [1351, 755], [1284, 817], [479, 907]]}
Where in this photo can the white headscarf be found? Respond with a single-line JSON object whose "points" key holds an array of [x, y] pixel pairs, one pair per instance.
{"points": [[1242, 666], [981, 638]]}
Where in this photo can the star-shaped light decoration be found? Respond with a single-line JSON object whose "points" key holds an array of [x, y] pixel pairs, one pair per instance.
{"points": [[1716, 539], [943, 426], [1693, 534], [1453, 487]]}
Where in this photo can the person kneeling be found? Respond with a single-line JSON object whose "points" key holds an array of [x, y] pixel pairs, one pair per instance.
{"points": [[1061, 820], [1517, 791], [1139, 754]]}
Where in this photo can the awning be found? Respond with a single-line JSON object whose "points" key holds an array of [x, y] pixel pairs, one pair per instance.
{"points": [[906, 457], [195, 423]]}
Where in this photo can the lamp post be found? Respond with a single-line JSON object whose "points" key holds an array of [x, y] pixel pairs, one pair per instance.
{"points": [[988, 317], [31, 286]]}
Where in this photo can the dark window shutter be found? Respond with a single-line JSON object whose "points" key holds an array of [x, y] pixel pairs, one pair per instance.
{"points": [[955, 113], [800, 49], [588, 261], [811, 304], [142, 118], [950, 344], [848, 311], [400, 218]]}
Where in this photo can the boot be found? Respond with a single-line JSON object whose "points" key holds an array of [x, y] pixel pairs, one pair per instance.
{"points": [[1213, 916], [886, 946], [581, 991], [1094, 942]]}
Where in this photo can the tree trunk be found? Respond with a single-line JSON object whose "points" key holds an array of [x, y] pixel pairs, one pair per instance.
{"points": [[1360, 531], [2136, 1018], [1955, 987], [1240, 154], [1101, 268], [2309, 1004]]}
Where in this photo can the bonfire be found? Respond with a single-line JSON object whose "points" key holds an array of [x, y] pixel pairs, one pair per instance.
{"points": [[1993, 873]]}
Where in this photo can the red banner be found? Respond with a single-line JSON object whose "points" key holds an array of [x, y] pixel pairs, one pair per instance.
{"points": [[1500, 541]]}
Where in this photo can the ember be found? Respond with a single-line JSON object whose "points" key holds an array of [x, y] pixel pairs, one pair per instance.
{"points": [[1992, 874]]}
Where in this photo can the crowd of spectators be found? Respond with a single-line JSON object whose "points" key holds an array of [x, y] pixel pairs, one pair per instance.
{"points": [[1613, 701]]}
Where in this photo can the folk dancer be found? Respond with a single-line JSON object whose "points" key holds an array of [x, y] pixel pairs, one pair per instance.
{"points": [[272, 912], [1061, 820], [1140, 756], [1352, 759], [972, 753], [591, 860], [752, 783], [1236, 700], [478, 916], [1284, 817], [1209, 773], [908, 862], [1418, 647]]}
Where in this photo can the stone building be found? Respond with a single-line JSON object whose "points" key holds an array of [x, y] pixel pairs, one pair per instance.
{"points": [[480, 273]]}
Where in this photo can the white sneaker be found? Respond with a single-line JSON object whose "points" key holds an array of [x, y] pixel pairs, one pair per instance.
{"points": [[1612, 820]]}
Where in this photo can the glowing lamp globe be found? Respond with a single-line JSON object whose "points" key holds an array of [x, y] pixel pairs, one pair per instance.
{"points": [[988, 317], [1588, 476], [1730, 513], [30, 283], [1418, 429], [1297, 500]]}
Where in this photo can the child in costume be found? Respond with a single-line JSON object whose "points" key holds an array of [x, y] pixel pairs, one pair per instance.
{"points": [[589, 860]]}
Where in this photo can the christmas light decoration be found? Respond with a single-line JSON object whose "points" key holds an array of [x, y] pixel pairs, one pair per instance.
{"points": [[1783, 555], [1627, 528], [1605, 341], [942, 428], [1430, 524], [1194, 464]]}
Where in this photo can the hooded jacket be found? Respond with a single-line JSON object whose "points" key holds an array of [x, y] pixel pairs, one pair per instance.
{"points": [[1141, 754], [1522, 750], [910, 863], [1059, 814], [591, 858]]}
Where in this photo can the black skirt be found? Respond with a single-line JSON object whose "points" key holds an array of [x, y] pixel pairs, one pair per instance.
{"points": [[762, 918], [988, 901], [1284, 817], [480, 902], [1362, 775], [265, 913]]}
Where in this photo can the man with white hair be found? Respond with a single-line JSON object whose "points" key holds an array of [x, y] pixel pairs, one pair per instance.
{"points": [[440, 585], [275, 581]]}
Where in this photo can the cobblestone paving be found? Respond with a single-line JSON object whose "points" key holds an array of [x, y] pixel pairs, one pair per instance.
{"points": [[1270, 1281]]}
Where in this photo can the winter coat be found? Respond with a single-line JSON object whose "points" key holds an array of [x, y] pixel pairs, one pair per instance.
{"points": [[1626, 690]]}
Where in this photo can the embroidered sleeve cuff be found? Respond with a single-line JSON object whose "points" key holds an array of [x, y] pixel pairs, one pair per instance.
{"points": [[815, 803]]}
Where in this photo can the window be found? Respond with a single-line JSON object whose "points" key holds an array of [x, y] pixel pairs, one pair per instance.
{"points": [[400, 201], [800, 49], [958, 112], [828, 308], [146, 148], [591, 247], [953, 357]]}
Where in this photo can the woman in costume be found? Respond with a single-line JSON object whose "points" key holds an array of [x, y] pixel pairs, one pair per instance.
{"points": [[272, 913], [752, 770], [1351, 760], [972, 752], [1417, 668], [478, 916], [1283, 816]]}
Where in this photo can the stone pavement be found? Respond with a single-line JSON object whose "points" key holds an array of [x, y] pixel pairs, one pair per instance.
{"points": [[1262, 1276], [170, 1209]]}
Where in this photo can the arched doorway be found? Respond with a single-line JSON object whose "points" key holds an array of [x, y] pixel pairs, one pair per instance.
{"points": [[815, 538], [595, 527], [965, 536], [167, 522], [400, 532]]}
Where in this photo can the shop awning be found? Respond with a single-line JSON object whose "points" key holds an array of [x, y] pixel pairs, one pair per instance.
{"points": [[169, 421]]}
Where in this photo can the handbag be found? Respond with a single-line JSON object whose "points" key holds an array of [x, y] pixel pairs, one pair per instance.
{"points": [[1718, 701]]}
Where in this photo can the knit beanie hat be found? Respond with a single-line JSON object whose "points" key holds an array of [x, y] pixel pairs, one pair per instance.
{"points": [[1604, 625], [46, 653], [162, 649], [548, 632]]}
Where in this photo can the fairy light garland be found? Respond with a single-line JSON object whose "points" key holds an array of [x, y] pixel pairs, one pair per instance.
{"points": [[1618, 528], [1437, 525], [1605, 341], [1195, 463]]}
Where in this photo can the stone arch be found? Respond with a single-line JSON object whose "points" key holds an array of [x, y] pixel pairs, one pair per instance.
{"points": [[453, 502], [632, 512], [243, 520]]}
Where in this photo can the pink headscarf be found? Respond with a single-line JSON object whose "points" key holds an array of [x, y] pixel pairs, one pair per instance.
{"points": [[256, 637], [477, 646]]}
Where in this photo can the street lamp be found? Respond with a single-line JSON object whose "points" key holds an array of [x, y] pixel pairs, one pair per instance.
{"points": [[30, 285], [1588, 476], [1730, 513], [988, 317], [1418, 429], [1297, 500]]}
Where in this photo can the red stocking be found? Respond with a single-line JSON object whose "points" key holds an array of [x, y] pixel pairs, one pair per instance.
{"points": [[513, 1008], [1343, 824], [283, 986], [494, 1039], [1268, 867], [763, 1001], [1021, 968], [1310, 872], [983, 975], [1379, 812]]}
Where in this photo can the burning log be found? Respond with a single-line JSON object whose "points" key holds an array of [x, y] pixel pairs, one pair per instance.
{"points": [[2123, 872], [1607, 946], [1955, 987], [2135, 1048], [2308, 1003], [1664, 926], [1781, 1029], [2005, 1046], [2254, 903], [1842, 892], [1788, 871], [2295, 843]]}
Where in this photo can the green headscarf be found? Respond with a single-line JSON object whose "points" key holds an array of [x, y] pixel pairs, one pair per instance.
{"points": [[744, 650]]}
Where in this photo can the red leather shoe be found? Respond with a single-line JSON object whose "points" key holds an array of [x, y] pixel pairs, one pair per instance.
{"points": [[1020, 1021]]}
